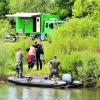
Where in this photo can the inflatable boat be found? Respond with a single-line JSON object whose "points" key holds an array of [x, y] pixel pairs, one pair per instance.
{"points": [[29, 81]]}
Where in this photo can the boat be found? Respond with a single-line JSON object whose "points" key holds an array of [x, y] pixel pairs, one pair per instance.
{"points": [[38, 82]]}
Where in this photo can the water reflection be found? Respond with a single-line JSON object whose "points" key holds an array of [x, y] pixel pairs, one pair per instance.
{"points": [[13, 92]]}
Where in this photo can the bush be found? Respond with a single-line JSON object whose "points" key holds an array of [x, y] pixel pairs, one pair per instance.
{"points": [[5, 27], [76, 44], [8, 51]]}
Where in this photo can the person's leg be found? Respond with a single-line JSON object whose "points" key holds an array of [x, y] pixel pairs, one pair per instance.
{"points": [[21, 70], [16, 70], [40, 64], [29, 65], [42, 58], [57, 74], [32, 63], [51, 75], [37, 63]]}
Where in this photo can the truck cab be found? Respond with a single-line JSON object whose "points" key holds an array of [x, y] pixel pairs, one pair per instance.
{"points": [[52, 24]]}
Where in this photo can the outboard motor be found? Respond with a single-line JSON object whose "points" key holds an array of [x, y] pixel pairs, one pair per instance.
{"points": [[67, 78]]}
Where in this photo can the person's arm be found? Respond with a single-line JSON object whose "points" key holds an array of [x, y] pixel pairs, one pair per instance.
{"points": [[59, 66], [22, 55], [34, 52], [49, 65]]}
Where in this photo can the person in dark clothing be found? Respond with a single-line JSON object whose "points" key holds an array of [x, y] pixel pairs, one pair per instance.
{"points": [[41, 50], [38, 60], [55, 66]]}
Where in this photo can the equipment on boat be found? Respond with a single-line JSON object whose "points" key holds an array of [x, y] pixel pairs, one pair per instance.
{"points": [[67, 78]]}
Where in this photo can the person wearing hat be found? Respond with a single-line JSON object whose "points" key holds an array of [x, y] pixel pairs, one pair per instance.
{"points": [[38, 60]]}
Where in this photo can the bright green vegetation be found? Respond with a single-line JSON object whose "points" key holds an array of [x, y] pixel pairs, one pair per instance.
{"points": [[78, 48], [76, 43]]}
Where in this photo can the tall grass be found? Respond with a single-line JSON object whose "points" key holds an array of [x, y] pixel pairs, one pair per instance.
{"points": [[76, 43], [8, 51]]}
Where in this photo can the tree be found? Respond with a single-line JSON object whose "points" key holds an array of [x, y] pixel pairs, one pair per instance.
{"points": [[84, 8], [62, 7], [28, 5], [4, 9]]}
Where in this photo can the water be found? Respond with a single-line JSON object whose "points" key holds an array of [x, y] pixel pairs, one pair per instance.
{"points": [[15, 92]]}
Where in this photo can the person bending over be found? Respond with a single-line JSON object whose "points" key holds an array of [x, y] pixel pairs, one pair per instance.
{"points": [[54, 68]]}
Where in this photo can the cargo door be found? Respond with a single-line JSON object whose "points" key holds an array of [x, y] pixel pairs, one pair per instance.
{"points": [[34, 24], [28, 25]]}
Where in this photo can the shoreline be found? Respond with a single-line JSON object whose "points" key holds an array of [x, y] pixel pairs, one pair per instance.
{"points": [[97, 88], [87, 85]]}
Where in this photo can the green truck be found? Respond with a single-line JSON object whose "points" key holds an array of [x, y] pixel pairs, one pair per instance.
{"points": [[36, 23]]}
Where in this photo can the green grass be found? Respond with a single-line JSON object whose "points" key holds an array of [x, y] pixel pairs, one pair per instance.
{"points": [[9, 72], [43, 72]]}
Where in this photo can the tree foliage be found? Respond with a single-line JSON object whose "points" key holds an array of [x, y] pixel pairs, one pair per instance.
{"points": [[77, 46], [28, 6], [84, 8], [62, 7], [4, 8]]}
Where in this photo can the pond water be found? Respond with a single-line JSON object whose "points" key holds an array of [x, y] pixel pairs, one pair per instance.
{"points": [[15, 92]]}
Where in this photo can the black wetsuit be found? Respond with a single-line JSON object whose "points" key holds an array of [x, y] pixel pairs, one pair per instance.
{"points": [[38, 60]]}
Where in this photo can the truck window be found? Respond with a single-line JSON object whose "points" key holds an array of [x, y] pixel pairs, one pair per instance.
{"points": [[51, 25], [46, 24]]}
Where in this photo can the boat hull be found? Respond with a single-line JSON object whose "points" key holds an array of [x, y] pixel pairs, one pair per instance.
{"points": [[37, 82]]}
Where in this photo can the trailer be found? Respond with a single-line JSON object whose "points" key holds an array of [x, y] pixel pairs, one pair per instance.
{"points": [[35, 23]]}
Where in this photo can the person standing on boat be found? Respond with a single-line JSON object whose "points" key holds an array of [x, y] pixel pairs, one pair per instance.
{"points": [[55, 66], [19, 63], [31, 57]]}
